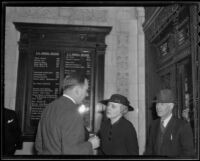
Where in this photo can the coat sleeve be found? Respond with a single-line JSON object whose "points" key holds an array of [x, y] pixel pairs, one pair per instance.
{"points": [[73, 138], [131, 141], [186, 138]]}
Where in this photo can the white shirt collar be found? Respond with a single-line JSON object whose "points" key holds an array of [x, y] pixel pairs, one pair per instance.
{"points": [[167, 120], [65, 95]]}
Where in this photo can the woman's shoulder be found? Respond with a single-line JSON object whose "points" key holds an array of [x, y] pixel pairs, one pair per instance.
{"points": [[126, 123]]}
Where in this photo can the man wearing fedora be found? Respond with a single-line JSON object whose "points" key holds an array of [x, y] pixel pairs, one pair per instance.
{"points": [[169, 136], [117, 134]]}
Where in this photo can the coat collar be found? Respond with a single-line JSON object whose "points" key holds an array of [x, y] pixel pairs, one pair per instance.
{"points": [[169, 128]]}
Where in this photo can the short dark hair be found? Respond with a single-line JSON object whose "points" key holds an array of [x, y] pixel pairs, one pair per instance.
{"points": [[76, 78]]}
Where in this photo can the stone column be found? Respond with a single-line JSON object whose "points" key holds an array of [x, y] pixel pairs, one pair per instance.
{"points": [[141, 80]]}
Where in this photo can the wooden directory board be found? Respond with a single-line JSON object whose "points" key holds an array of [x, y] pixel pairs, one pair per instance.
{"points": [[47, 53]]}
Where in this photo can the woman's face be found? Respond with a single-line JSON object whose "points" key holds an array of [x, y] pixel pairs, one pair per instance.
{"points": [[113, 110]]}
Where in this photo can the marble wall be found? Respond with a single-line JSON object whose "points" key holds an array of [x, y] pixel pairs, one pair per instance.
{"points": [[124, 59]]}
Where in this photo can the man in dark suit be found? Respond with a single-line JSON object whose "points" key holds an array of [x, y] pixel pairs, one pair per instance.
{"points": [[61, 128], [169, 136], [12, 139]]}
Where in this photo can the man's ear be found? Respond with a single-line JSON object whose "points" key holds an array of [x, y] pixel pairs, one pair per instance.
{"points": [[77, 90]]}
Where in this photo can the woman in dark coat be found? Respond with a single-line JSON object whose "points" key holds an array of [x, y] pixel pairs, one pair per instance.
{"points": [[117, 134]]}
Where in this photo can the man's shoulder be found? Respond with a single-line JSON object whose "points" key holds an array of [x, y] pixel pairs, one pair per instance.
{"points": [[62, 100], [154, 124], [126, 124], [179, 121], [61, 106], [9, 113], [9, 110]]}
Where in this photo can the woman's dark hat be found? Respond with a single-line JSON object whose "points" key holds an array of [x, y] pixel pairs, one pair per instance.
{"points": [[165, 96], [117, 98]]}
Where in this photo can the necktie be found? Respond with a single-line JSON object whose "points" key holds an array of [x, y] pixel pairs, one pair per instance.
{"points": [[162, 126], [160, 138]]}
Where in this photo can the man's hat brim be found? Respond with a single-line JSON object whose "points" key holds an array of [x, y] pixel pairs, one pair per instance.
{"points": [[165, 96], [105, 102]]}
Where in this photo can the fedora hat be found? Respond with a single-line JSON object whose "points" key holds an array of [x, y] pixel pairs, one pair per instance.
{"points": [[117, 98], [165, 96]]}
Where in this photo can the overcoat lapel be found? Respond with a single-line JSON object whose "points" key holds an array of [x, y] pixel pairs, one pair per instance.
{"points": [[168, 135]]}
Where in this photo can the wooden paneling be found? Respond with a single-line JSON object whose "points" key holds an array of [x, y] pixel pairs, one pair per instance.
{"points": [[171, 43]]}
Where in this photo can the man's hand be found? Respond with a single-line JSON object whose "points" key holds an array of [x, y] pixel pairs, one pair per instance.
{"points": [[95, 141]]}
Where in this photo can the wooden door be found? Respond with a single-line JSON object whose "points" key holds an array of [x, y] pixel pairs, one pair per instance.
{"points": [[185, 91]]}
